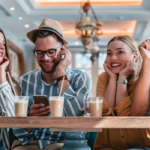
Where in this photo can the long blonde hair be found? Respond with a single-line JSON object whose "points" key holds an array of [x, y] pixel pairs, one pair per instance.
{"points": [[134, 48]]}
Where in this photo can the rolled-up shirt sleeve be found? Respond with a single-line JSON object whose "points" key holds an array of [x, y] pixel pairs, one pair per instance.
{"points": [[6, 100], [76, 94]]}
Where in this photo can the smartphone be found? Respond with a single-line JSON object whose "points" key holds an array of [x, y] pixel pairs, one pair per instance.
{"points": [[41, 99]]}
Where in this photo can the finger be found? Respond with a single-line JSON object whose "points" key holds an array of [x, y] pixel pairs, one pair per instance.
{"points": [[63, 48], [106, 66], [148, 41], [143, 49], [44, 113], [5, 63], [142, 45], [35, 106], [5, 59], [39, 110], [64, 51], [145, 45], [66, 55]]}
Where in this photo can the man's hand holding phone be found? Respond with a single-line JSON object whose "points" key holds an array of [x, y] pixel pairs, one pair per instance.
{"points": [[64, 63], [39, 110], [3, 66], [40, 106]]}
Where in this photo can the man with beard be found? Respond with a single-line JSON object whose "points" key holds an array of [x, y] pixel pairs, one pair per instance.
{"points": [[49, 48]]}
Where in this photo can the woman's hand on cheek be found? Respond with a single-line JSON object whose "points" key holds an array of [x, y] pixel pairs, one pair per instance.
{"points": [[3, 67], [128, 70], [108, 71]]}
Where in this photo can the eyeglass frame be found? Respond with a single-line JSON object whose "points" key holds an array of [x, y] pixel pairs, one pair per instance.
{"points": [[46, 52]]}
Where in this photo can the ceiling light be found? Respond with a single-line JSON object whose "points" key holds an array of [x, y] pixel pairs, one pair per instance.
{"points": [[88, 31], [76, 43], [12, 8], [26, 25], [20, 18]]}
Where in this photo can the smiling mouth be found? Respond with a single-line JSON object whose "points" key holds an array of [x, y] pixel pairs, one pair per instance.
{"points": [[115, 65], [47, 63], [1, 54]]}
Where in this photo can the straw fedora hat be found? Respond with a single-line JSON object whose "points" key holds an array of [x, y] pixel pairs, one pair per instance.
{"points": [[50, 25]]}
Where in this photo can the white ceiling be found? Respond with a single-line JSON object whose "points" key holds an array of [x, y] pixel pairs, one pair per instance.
{"points": [[134, 19]]}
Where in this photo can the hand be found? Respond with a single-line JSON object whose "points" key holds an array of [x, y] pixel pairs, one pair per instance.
{"points": [[39, 110], [108, 71], [64, 63], [3, 67], [128, 70], [145, 50]]}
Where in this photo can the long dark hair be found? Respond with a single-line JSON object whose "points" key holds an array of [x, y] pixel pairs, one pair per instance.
{"points": [[8, 69]]}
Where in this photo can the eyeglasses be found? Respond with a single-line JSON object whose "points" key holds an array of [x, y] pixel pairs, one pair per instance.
{"points": [[50, 52]]}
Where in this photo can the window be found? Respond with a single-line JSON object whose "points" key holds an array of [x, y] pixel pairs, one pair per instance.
{"points": [[101, 60], [17, 60], [14, 64], [83, 63]]}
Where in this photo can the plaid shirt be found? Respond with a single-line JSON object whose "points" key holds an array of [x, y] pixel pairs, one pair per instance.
{"points": [[32, 84]]}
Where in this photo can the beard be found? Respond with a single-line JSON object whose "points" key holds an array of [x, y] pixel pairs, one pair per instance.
{"points": [[52, 69]]}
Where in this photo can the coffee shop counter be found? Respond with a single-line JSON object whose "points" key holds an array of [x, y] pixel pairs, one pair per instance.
{"points": [[75, 127], [88, 124]]}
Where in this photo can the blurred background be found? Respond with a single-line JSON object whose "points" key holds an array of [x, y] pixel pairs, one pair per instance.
{"points": [[88, 26]]}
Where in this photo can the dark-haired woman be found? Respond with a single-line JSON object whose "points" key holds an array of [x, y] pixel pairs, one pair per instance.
{"points": [[6, 94]]}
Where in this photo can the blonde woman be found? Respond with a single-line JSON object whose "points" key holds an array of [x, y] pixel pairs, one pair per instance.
{"points": [[116, 84]]}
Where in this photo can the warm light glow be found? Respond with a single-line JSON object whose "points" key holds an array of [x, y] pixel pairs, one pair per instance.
{"points": [[26, 26], [105, 33], [112, 28], [76, 43], [20, 18], [97, 2], [12, 8]]}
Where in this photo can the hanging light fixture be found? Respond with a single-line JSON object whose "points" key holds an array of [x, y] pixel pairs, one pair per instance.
{"points": [[88, 30]]}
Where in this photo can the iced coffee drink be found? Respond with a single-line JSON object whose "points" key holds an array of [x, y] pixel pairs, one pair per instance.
{"points": [[21, 106], [96, 106], [56, 106]]}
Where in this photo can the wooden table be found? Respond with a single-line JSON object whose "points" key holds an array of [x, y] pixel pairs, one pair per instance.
{"points": [[75, 124]]}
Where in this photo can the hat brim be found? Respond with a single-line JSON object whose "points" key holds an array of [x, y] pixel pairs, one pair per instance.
{"points": [[31, 34]]}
